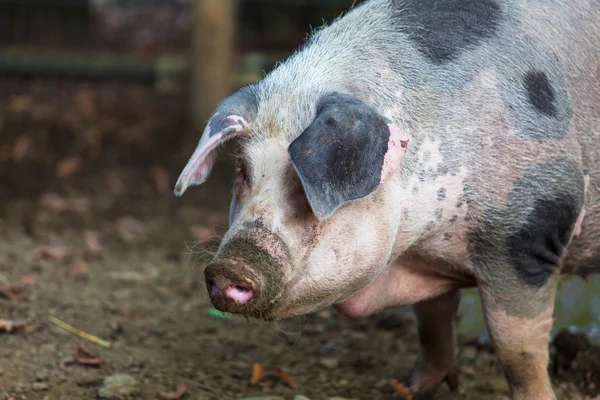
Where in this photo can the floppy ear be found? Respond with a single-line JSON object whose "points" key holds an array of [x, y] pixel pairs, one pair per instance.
{"points": [[347, 152], [232, 117]]}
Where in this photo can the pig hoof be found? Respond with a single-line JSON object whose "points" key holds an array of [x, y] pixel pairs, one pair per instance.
{"points": [[424, 383]]}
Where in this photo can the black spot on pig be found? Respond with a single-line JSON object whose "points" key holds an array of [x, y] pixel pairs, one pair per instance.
{"points": [[454, 219], [539, 104], [241, 103], [540, 92], [444, 29], [441, 194], [415, 189], [447, 236], [438, 214], [339, 157], [530, 234]]}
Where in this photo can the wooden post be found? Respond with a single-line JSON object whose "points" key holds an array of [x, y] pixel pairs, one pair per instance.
{"points": [[212, 47]]}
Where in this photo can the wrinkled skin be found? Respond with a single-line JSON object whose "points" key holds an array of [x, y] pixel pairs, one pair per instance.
{"points": [[411, 149]]}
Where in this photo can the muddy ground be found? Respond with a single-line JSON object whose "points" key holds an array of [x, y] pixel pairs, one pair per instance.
{"points": [[91, 234]]}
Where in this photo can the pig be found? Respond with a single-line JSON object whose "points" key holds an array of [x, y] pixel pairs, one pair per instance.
{"points": [[408, 150]]}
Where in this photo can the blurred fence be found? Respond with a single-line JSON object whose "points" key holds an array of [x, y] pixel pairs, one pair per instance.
{"points": [[145, 39], [207, 47]]}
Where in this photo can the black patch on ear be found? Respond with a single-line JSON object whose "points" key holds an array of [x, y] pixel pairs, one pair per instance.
{"points": [[442, 29], [339, 157], [540, 92], [242, 103]]}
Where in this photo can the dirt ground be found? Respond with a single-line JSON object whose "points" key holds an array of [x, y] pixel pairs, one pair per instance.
{"points": [[91, 234]]}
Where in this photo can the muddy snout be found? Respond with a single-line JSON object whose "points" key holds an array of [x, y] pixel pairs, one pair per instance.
{"points": [[231, 289]]}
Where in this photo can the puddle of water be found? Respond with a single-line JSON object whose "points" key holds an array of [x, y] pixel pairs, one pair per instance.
{"points": [[577, 307]]}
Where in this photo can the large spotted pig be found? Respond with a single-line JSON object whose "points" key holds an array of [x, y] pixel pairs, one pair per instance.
{"points": [[408, 150]]}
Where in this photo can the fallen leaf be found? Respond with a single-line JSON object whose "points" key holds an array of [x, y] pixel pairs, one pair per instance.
{"points": [[9, 326], [201, 233], [79, 268], [10, 292], [161, 179], [20, 148], [68, 167], [19, 103], [287, 377], [401, 390], [55, 253], [83, 357], [92, 242], [174, 395], [27, 280], [257, 374], [54, 203]]}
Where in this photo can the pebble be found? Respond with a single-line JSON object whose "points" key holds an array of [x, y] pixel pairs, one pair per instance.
{"points": [[330, 363], [40, 386], [118, 387], [300, 397]]}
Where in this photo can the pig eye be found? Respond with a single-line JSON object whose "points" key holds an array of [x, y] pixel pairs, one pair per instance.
{"points": [[241, 171]]}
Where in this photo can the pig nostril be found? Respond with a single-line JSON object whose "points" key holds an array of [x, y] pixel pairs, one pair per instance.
{"points": [[241, 294], [212, 287]]}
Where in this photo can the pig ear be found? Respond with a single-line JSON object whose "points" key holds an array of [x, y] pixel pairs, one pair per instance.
{"points": [[232, 118], [346, 153]]}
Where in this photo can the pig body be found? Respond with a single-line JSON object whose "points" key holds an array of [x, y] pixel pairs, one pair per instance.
{"points": [[408, 150]]}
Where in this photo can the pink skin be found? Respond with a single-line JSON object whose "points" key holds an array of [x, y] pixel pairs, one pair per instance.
{"points": [[239, 294], [407, 281], [397, 144]]}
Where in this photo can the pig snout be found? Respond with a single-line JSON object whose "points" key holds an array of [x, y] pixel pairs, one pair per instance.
{"points": [[230, 290], [245, 278]]}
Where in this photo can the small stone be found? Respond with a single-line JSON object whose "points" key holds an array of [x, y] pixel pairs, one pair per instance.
{"points": [[300, 397], [118, 387], [329, 363], [40, 386], [41, 376]]}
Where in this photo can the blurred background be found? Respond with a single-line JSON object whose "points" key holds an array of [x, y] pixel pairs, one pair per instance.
{"points": [[101, 104]]}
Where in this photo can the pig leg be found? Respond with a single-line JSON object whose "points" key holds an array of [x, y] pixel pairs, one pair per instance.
{"points": [[437, 359], [520, 334]]}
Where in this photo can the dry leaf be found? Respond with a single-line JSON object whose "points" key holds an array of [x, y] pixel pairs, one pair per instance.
{"points": [[54, 203], [10, 292], [27, 280], [55, 253], [20, 148], [79, 268], [9, 326], [83, 357], [287, 377], [174, 395], [68, 167], [401, 390], [161, 179], [257, 374], [92, 242]]}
